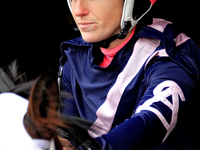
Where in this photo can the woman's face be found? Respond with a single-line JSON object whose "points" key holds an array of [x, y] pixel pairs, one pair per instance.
{"points": [[97, 19]]}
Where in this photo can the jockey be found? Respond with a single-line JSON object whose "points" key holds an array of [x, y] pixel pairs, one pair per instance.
{"points": [[138, 80]]}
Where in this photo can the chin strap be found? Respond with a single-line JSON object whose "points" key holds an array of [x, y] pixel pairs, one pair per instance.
{"points": [[125, 31], [106, 43]]}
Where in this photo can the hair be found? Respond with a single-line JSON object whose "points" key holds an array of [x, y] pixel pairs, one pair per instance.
{"points": [[140, 7]]}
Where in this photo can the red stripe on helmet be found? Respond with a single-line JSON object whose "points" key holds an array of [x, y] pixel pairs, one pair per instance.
{"points": [[152, 1]]}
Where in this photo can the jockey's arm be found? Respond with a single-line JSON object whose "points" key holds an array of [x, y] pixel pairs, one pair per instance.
{"points": [[169, 91]]}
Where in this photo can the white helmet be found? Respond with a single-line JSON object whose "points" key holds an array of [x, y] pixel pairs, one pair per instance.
{"points": [[127, 20]]}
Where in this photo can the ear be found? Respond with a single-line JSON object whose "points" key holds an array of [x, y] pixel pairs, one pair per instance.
{"points": [[44, 97]]}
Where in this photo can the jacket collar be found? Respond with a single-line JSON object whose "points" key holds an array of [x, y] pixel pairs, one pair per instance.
{"points": [[72, 43], [77, 42]]}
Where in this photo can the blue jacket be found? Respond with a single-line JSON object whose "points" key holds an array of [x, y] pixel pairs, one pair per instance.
{"points": [[147, 98]]}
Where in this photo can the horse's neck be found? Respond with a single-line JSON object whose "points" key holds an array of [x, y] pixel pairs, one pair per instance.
{"points": [[30, 127], [36, 132]]}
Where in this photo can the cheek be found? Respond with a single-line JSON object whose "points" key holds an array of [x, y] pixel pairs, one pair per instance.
{"points": [[108, 24], [101, 31], [113, 20]]}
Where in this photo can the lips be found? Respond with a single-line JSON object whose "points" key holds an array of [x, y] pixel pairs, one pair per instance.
{"points": [[86, 25]]}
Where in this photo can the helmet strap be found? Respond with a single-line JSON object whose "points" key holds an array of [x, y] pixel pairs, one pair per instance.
{"points": [[106, 43], [125, 31]]}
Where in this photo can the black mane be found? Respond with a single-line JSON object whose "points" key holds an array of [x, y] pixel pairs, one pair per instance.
{"points": [[11, 80]]}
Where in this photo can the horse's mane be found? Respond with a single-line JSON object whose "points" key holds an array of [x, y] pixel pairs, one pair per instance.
{"points": [[72, 128], [11, 80]]}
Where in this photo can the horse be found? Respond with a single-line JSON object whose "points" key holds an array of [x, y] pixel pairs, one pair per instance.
{"points": [[34, 124]]}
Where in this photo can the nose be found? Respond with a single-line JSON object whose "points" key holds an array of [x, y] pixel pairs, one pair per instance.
{"points": [[80, 8]]}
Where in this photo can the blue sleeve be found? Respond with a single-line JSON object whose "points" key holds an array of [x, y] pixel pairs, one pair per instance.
{"points": [[68, 106], [169, 88]]}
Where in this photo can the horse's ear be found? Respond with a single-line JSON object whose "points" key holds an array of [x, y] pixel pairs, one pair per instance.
{"points": [[44, 96]]}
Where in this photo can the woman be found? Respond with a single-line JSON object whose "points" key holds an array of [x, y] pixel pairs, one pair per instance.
{"points": [[139, 83]]}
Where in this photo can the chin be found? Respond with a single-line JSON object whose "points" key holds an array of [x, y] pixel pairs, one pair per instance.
{"points": [[92, 38]]}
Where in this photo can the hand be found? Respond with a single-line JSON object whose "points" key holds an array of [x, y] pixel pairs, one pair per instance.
{"points": [[66, 145]]}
